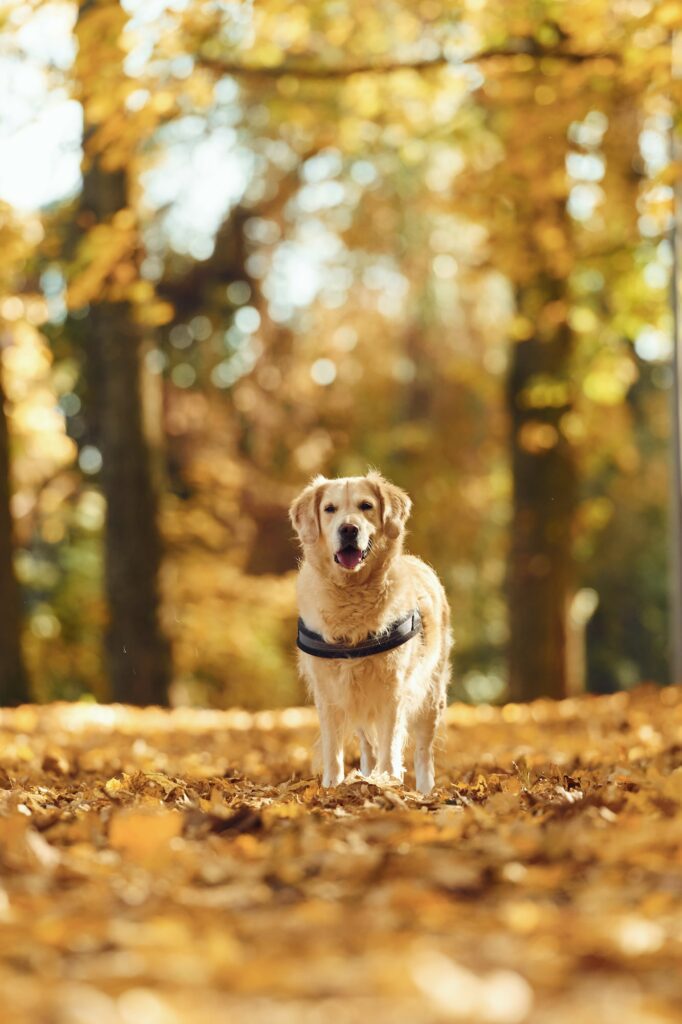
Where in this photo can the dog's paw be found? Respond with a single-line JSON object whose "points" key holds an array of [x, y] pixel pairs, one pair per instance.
{"points": [[331, 781]]}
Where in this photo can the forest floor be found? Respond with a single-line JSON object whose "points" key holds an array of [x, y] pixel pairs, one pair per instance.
{"points": [[171, 867]]}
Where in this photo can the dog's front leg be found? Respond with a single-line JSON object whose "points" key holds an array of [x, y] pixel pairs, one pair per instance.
{"points": [[391, 736], [424, 732], [367, 757], [331, 737]]}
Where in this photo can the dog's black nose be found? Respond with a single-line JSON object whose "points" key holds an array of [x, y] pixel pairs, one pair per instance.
{"points": [[348, 533]]}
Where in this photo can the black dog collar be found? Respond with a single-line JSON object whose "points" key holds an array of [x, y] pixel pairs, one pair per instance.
{"points": [[376, 643]]}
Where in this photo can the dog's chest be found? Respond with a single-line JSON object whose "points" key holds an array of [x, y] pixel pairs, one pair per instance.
{"points": [[351, 625], [361, 687]]}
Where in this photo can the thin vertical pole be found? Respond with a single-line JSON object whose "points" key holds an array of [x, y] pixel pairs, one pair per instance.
{"points": [[676, 476], [676, 400]]}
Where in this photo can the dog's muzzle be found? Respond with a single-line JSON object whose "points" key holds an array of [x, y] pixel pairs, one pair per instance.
{"points": [[350, 556]]}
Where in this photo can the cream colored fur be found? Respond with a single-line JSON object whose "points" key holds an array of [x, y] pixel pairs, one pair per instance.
{"points": [[383, 696]]}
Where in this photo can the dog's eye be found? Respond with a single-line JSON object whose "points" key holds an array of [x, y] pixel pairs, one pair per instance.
{"points": [[330, 508], [365, 506]]}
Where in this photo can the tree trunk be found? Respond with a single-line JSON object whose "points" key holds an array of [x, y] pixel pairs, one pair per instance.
{"points": [[13, 681], [544, 501], [137, 652]]}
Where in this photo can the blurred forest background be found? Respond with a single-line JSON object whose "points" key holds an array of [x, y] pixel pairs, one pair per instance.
{"points": [[244, 243]]}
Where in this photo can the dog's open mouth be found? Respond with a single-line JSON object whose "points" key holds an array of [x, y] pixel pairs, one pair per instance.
{"points": [[350, 556]]}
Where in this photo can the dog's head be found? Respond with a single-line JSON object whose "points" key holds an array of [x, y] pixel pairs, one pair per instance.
{"points": [[352, 521]]}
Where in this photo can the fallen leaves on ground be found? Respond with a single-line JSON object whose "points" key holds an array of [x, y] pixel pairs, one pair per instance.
{"points": [[169, 867]]}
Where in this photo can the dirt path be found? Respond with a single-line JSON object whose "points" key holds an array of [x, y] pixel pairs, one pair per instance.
{"points": [[172, 867]]}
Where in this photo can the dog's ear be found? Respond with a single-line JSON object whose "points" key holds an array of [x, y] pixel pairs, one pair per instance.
{"points": [[303, 512], [395, 505]]}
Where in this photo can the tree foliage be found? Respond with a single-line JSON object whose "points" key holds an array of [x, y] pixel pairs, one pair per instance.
{"points": [[430, 237]]}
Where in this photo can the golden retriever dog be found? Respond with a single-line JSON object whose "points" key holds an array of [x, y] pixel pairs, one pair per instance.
{"points": [[374, 627]]}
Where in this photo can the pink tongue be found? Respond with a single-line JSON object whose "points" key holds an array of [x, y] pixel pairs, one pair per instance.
{"points": [[349, 557]]}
